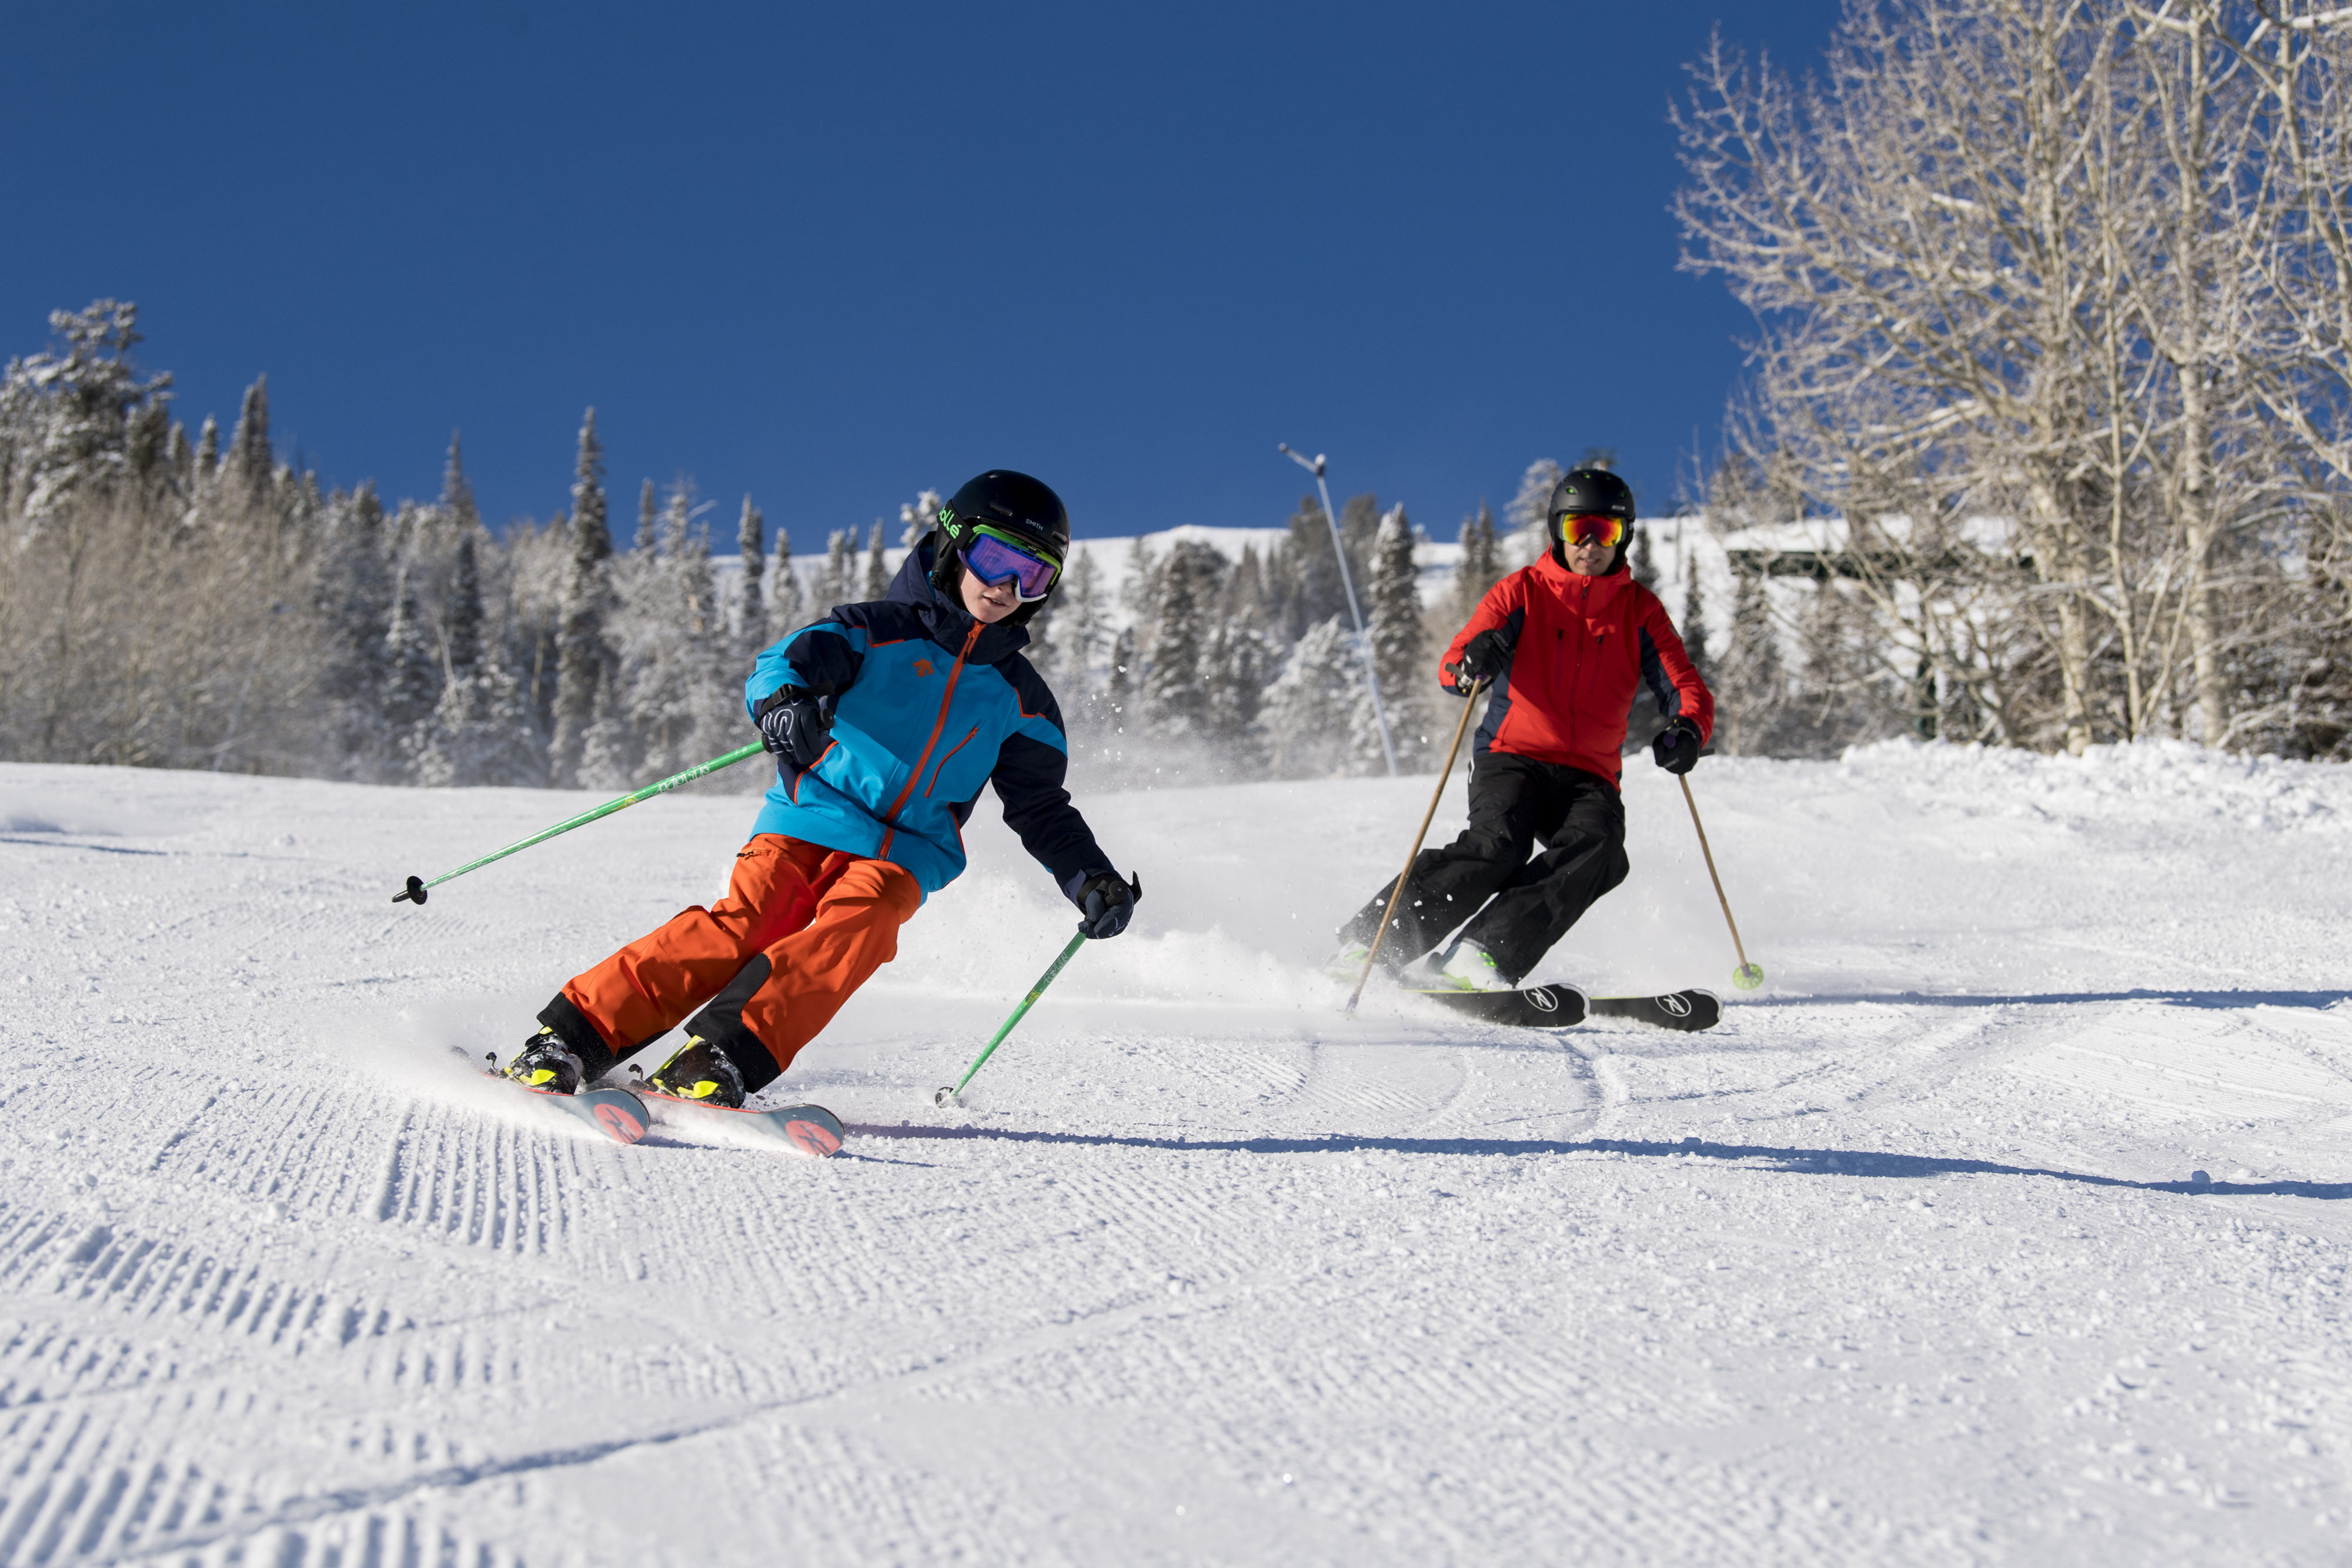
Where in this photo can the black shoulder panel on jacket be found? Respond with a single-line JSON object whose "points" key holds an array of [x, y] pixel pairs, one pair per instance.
{"points": [[1030, 690]]}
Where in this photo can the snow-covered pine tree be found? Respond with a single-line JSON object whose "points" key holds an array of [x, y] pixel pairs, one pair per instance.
{"points": [[1751, 695], [1692, 623], [412, 686], [1138, 595], [461, 622], [840, 570], [581, 649], [1245, 594], [878, 568], [1399, 644], [536, 566], [1175, 691], [479, 732], [65, 419], [646, 535], [250, 464], [1311, 591], [1309, 710], [1078, 633], [1528, 509], [1236, 665], [1479, 570], [786, 603], [1643, 562], [1359, 529], [751, 542], [919, 517], [676, 657], [355, 613], [458, 491], [1118, 691], [1282, 589]]}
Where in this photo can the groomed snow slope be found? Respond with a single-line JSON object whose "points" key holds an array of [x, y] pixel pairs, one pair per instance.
{"points": [[1901, 1263]]}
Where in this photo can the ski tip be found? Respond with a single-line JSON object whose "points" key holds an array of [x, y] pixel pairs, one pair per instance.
{"points": [[412, 894], [620, 1114]]}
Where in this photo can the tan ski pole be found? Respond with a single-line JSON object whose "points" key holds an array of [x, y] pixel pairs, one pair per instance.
{"points": [[1748, 976], [1414, 853]]}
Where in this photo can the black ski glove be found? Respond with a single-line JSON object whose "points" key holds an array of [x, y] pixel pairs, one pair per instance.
{"points": [[1107, 903], [794, 725], [1675, 749], [1485, 656]]}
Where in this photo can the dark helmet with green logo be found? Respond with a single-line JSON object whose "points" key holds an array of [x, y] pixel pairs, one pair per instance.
{"points": [[1587, 492], [1010, 502]]}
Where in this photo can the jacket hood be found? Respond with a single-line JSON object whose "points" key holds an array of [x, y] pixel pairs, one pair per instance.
{"points": [[949, 624]]}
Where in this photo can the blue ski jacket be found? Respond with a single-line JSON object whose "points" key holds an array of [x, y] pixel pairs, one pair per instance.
{"points": [[928, 705]]}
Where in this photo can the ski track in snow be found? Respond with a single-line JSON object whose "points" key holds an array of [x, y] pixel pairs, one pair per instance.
{"points": [[1901, 1263]]}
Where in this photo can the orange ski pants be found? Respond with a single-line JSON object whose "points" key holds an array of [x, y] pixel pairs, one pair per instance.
{"points": [[802, 928]]}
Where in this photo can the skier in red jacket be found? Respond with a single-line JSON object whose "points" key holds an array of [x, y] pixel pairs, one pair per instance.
{"points": [[1562, 643]]}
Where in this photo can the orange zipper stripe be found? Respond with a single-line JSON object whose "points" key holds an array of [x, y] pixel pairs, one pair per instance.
{"points": [[955, 674], [942, 767]]}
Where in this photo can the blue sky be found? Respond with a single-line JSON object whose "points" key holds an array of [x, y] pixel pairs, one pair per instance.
{"points": [[832, 255]]}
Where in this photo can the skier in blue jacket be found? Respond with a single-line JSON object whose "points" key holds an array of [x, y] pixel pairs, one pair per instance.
{"points": [[885, 720]]}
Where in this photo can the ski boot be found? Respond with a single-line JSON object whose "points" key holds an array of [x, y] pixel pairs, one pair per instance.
{"points": [[547, 1064], [1470, 968], [701, 1074]]}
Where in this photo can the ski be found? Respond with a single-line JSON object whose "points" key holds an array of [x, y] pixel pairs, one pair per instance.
{"points": [[809, 1131], [1559, 1007], [616, 1112], [1537, 1007], [1687, 1011]]}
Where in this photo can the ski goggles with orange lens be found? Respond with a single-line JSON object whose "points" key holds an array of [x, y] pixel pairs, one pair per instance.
{"points": [[994, 557], [1592, 529]]}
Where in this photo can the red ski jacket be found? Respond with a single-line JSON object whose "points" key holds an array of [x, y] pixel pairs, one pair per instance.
{"points": [[1579, 644]]}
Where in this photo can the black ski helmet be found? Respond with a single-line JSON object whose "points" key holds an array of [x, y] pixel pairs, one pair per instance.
{"points": [[1591, 492], [1024, 507]]}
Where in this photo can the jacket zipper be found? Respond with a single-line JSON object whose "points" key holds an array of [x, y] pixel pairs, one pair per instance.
{"points": [[955, 674], [942, 767], [1576, 670]]}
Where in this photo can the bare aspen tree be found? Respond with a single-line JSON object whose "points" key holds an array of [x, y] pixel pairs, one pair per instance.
{"points": [[2009, 261]]}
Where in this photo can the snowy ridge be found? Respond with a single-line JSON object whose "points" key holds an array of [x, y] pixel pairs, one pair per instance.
{"points": [[1904, 1263]]}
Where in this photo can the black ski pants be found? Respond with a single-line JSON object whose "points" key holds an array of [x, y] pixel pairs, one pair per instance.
{"points": [[1516, 907]]}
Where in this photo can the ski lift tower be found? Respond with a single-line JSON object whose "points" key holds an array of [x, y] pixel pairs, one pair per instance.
{"points": [[1363, 641]]}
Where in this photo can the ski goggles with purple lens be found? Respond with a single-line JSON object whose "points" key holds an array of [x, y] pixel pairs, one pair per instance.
{"points": [[993, 557]]}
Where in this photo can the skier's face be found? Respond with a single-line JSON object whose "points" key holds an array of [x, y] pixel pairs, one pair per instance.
{"points": [[990, 601], [1589, 560]]}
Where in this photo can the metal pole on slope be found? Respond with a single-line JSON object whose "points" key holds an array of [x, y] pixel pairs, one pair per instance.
{"points": [[947, 1093], [1414, 853], [1371, 675], [1748, 976], [415, 892]]}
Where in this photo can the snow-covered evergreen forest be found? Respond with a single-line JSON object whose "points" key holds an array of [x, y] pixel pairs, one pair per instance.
{"points": [[190, 601]]}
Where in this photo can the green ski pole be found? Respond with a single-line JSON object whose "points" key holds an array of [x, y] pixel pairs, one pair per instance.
{"points": [[415, 892], [946, 1096]]}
